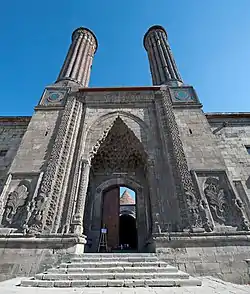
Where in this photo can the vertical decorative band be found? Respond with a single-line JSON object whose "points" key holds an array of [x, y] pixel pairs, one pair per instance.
{"points": [[43, 214], [186, 192], [81, 197]]}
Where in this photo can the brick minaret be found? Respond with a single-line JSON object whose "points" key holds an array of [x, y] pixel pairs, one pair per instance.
{"points": [[162, 65], [77, 64]]}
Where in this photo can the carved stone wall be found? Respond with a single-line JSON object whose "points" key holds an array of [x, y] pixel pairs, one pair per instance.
{"points": [[48, 198], [17, 200], [233, 135], [186, 194], [219, 200]]}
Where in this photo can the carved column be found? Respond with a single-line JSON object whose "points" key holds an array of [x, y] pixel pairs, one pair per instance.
{"points": [[81, 197], [155, 200], [186, 193]]}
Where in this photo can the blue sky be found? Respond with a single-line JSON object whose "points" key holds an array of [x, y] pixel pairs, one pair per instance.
{"points": [[131, 192], [210, 41]]}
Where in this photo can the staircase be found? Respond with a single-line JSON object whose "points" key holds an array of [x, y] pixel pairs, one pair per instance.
{"points": [[113, 270]]}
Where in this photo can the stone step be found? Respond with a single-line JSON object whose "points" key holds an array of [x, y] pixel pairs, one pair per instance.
{"points": [[117, 269], [115, 258], [113, 264], [112, 270], [111, 276], [90, 255], [113, 283]]}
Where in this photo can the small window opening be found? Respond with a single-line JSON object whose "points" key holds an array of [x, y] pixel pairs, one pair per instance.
{"points": [[190, 132], [46, 133], [3, 153]]}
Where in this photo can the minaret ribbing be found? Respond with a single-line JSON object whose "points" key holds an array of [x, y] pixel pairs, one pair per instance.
{"points": [[77, 64], [162, 65]]}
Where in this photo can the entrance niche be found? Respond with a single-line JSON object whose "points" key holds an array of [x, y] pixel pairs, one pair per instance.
{"points": [[118, 163]]}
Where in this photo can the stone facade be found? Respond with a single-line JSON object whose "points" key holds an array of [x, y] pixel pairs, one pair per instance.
{"points": [[12, 130], [189, 170]]}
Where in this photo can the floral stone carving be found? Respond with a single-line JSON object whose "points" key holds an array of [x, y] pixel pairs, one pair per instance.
{"points": [[225, 208], [216, 200], [16, 207]]}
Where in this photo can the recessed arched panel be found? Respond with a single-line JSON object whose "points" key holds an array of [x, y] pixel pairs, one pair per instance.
{"points": [[98, 129]]}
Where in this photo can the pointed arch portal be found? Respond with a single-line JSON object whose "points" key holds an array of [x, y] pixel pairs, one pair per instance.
{"points": [[119, 160]]}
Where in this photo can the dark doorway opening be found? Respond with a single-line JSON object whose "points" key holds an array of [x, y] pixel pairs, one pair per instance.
{"points": [[128, 232], [119, 218]]}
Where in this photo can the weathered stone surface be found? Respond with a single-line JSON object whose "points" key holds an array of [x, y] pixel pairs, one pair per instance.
{"points": [[190, 173], [130, 277]]}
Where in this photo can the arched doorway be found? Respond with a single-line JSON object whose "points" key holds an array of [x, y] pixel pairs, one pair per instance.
{"points": [[119, 218]]}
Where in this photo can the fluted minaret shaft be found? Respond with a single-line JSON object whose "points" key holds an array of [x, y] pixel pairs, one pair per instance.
{"points": [[77, 65], [162, 64]]}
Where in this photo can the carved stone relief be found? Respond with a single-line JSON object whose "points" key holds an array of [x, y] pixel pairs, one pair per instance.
{"points": [[187, 195], [46, 202], [118, 150], [18, 200], [53, 96], [119, 97], [222, 206], [183, 95], [216, 200]]}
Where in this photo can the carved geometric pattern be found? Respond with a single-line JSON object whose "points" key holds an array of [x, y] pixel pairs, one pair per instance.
{"points": [[81, 196], [184, 95], [48, 196], [53, 96], [71, 198], [120, 150], [187, 196]]}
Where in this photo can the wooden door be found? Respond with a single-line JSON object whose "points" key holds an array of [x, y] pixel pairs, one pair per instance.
{"points": [[110, 216]]}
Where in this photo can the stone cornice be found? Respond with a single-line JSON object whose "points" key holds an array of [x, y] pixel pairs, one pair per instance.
{"points": [[176, 240], [120, 89], [14, 120], [226, 115], [10, 239], [228, 119]]}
